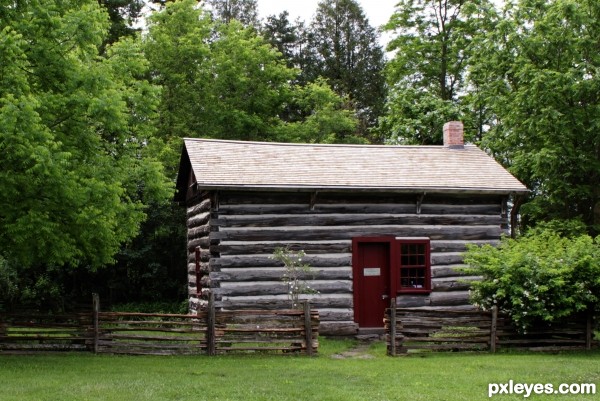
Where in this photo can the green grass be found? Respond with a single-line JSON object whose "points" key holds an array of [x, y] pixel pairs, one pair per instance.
{"points": [[438, 376]]}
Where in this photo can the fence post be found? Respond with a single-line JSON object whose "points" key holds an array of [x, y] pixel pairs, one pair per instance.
{"points": [[493, 329], [589, 329], [308, 328], [96, 324], [393, 329], [211, 345]]}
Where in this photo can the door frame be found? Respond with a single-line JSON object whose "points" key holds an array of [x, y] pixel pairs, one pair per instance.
{"points": [[392, 276]]}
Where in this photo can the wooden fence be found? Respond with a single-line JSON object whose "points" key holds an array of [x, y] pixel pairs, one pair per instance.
{"points": [[414, 330], [209, 332]]}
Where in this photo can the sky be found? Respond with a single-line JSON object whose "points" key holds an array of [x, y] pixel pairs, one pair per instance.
{"points": [[377, 11]]}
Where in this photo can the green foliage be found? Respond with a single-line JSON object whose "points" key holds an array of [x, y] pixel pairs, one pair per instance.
{"points": [[343, 48], [295, 274], [122, 15], [243, 11], [538, 76], [288, 38], [540, 277], [76, 175], [432, 45], [235, 85], [319, 116]]}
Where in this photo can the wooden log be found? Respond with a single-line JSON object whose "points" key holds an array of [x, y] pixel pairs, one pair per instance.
{"points": [[210, 323], [192, 258], [451, 298], [108, 316], [481, 340], [411, 301], [276, 274], [199, 219], [449, 271], [268, 247], [493, 329], [321, 260], [204, 268], [352, 219], [258, 288], [202, 206], [203, 242], [357, 208], [453, 284], [308, 329], [204, 256], [445, 347], [458, 245], [344, 329], [491, 209], [348, 232], [198, 232], [270, 302], [336, 314], [446, 258], [96, 321]]}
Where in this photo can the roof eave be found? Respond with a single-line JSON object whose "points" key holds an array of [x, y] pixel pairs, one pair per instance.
{"points": [[341, 188]]}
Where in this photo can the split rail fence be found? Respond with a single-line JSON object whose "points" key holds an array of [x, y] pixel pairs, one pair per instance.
{"points": [[416, 330], [209, 332]]}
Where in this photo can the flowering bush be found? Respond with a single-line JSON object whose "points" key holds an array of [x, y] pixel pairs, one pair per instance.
{"points": [[294, 274], [539, 277]]}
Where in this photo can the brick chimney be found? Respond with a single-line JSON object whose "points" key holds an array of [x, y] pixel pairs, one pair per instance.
{"points": [[453, 135]]}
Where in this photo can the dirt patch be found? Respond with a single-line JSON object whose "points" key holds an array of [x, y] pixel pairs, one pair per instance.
{"points": [[360, 351]]}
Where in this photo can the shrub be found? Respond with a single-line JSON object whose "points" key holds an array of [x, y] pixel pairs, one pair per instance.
{"points": [[539, 277], [294, 274]]}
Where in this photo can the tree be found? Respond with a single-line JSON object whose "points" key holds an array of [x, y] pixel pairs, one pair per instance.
{"points": [[343, 48], [427, 76], [235, 85], [244, 11], [75, 175], [316, 114], [122, 14], [539, 69], [287, 38]]}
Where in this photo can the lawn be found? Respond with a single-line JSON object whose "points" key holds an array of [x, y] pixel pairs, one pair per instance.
{"points": [[369, 377]]}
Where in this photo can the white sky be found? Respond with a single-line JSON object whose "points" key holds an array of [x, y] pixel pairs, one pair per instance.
{"points": [[377, 11]]}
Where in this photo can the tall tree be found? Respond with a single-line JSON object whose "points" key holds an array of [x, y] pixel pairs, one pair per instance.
{"points": [[244, 11], [235, 85], [344, 49], [540, 73], [122, 14], [427, 76], [75, 175], [287, 37]]}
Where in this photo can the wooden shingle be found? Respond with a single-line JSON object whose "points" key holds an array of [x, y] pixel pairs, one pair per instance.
{"points": [[219, 164]]}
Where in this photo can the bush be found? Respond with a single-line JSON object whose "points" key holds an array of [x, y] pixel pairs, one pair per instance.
{"points": [[294, 274], [539, 277]]}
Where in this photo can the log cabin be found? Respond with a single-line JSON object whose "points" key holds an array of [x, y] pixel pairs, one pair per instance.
{"points": [[376, 223]]}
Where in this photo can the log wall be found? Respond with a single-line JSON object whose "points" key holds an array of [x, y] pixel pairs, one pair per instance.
{"points": [[244, 228], [198, 249]]}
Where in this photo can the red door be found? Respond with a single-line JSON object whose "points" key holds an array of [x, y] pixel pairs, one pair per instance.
{"points": [[371, 272]]}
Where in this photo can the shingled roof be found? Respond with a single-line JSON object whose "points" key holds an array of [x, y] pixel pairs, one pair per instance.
{"points": [[220, 164]]}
